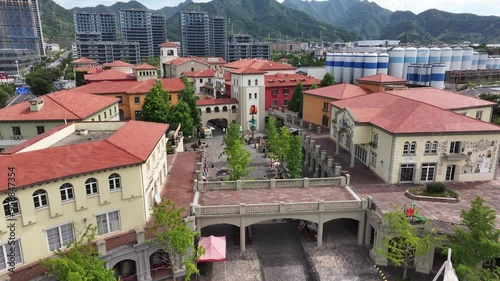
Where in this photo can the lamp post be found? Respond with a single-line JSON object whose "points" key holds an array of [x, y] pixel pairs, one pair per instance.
{"points": [[17, 66]]}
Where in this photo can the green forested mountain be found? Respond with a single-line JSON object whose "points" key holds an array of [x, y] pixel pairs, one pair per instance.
{"points": [[57, 23], [371, 21]]}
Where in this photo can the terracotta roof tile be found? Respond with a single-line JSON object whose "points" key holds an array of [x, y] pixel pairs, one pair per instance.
{"points": [[180, 61], [90, 70], [130, 145], [381, 78], [259, 64], [248, 70], [169, 44], [337, 92], [200, 73], [217, 101], [109, 75], [117, 63], [441, 98], [210, 60], [58, 106], [398, 114], [282, 80], [173, 85], [83, 61], [145, 66]]}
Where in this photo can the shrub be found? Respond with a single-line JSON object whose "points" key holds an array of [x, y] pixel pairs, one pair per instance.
{"points": [[435, 187]]}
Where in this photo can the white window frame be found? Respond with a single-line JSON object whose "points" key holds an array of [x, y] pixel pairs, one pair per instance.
{"points": [[360, 153], [108, 224], [8, 202], [67, 190], [453, 145], [428, 146], [91, 184], [63, 242], [406, 147], [373, 158], [426, 167], [5, 249], [38, 197], [413, 147], [113, 182], [479, 115], [434, 147], [375, 138]]}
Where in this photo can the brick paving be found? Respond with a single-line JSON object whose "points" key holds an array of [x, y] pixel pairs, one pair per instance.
{"points": [[446, 214]]}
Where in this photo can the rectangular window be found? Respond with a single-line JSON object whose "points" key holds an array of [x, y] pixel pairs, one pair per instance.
{"points": [[107, 223], [7, 250], [325, 106], [255, 95], [479, 115], [120, 99], [406, 147], [455, 147], [201, 80], [105, 115], [375, 138], [275, 92], [40, 129], [275, 102], [16, 131], [138, 115], [250, 96], [99, 117], [373, 159], [413, 147], [60, 236], [428, 172], [285, 102], [360, 153], [285, 92], [434, 147], [137, 100]]}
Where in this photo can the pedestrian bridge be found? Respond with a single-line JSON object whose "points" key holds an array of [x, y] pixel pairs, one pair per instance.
{"points": [[243, 203]]}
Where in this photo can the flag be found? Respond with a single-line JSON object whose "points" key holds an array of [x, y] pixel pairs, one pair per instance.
{"points": [[205, 172]]}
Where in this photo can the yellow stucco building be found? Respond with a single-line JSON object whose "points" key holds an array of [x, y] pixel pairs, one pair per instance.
{"points": [[419, 135], [108, 174]]}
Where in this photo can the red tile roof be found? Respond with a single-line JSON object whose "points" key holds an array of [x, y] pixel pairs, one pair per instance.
{"points": [[145, 66], [398, 114], [260, 64], [227, 76], [120, 149], [210, 60], [58, 106], [217, 101], [200, 73], [89, 70], [337, 92], [441, 98], [83, 61], [180, 61], [281, 80], [173, 85], [109, 75], [117, 63], [169, 44], [382, 79], [248, 70]]}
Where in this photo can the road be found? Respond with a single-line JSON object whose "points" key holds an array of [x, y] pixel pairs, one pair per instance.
{"points": [[19, 98]]}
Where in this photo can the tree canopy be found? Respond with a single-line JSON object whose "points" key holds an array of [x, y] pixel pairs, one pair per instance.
{"points": [[180, 114], [6, 90], [272, 135], [187, 95], [41, 81], [80, 261], [293, 157], [476, 242], [238, 158], [156, 105], [297, 100], [495, 118], [327, 80]]}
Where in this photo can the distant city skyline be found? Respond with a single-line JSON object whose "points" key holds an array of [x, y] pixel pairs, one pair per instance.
{"points": [[479, 7]]}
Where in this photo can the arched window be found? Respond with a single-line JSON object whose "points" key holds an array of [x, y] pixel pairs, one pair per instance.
{"points": [[255, 95], [413, 147], [40, 199], [209, 110], [233, 109], [170, 53], [11, 206], [224, 109], [256, 82], [66, 191], [216, 109], [91, 186], [428, 146], [114, 182], [434, 147], [249, 82], [406, 147], [324, 121]]}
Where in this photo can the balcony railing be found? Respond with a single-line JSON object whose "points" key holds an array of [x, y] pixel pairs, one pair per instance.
{"points": [[453, 156], [17, 137]]}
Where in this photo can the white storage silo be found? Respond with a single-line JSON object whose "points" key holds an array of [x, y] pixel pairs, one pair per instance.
{"points": [[410, 58], [475, 60], [423, 55], [446, 57], [434, 55], [382, 63], [347, 69], [396, 60], [359, 59], [497, 63], [411, 74], [483, 58], [456, 58], [490, 63], [370, 64], [437, 75], [424, 75], [467, 58], [330, 59], [338, 64]]}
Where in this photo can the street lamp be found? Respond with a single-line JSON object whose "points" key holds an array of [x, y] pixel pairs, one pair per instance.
{"points": [[17, 66]]}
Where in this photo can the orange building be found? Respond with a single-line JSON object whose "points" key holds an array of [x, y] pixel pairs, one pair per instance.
{"points": [[316, 106], [381, 82]]}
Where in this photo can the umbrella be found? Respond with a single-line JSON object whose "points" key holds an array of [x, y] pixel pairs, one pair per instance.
{"points": [[449, 272]]}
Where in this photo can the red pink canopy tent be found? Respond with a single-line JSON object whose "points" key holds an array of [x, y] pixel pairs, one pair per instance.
{"points": [[215, 248]]}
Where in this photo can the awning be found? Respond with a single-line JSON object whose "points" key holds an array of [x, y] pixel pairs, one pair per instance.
{"points": [[215, 248]]}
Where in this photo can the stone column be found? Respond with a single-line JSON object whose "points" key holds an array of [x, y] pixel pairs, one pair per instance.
{"points": [[242, 235], [352, 155], [316, 171], [147, 267], [329, 162], [337, 142], [319, 235], [139, 266], [306, 162], [368, 233], [361, 229], [379, 243], [338, 169], [323, 155], [423, 264]]}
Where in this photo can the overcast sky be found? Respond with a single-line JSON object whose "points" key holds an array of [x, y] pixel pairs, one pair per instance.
{"points": [[480, 7]]}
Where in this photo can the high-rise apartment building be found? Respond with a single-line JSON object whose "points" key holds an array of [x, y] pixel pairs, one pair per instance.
{"points": [[94, 26], [242, 46], [202, 35], [159, 30], [136, 26], [109, 51]]}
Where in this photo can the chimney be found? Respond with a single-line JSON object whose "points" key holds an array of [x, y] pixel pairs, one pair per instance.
{"points": [[36, 104]]}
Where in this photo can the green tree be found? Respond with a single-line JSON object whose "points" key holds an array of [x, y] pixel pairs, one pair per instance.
{"points": [[408, 241], [272, 135], [4, 97], [156, 105], [297, 100], [187, 95], [180, 114], [238, 158], [327, 80], [80, 261], [232, 135], [495, 118], [173, 235], [313, 86], [293, 157], [475, 242], [282, 144], [41, 81]]}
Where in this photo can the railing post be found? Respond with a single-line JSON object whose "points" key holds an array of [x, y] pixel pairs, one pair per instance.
{"points": [[242, 208], [306, 182], [282, 207], [338, 168], [239, 183], [273, 183], [323, 155], [321, 205], [197, 210], [347, 179], [310, 127], [301, 123], [318, 130], [329, 162], [200, 185], [195, 186]]}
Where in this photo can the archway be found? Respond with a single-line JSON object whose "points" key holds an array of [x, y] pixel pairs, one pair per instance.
{"points": [[233, 109], [208, 110], [216, 109], [126, 270], [319, 170], [324, 174], [342, 231], [219, 125], [160, 264]]}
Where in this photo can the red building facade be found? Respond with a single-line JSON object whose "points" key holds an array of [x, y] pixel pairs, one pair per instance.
{"points": [[280, 87]]}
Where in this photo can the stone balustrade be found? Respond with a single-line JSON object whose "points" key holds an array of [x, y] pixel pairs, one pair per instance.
{"points": [[200, 185]]}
